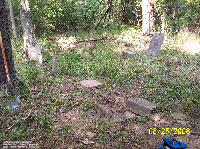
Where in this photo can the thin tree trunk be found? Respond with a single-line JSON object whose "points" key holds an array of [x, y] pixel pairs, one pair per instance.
{"points": [[12, 19], [5, 33], [28, 31], [163, 18], [147, 17], [151, 18], [123, 9], [174, 17]]}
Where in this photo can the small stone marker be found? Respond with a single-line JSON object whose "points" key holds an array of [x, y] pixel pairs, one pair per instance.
{"points": [[139, 106], [155, 44], [38, 54], [127, 53], [90, 83], [54, 64]]}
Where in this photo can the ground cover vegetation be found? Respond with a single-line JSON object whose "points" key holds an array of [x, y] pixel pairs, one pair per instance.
{"points": [[57, 112]]}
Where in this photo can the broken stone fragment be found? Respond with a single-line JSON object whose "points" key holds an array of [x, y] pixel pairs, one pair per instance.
{"points": [[90, 83], [127, 53], [139, 106]]}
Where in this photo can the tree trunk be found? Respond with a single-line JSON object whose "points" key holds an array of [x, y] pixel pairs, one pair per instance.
{"points": [[147, 17], [5, 34], [123, 8], [28, 31], [176, 28], [163, 18], [12, 19]]}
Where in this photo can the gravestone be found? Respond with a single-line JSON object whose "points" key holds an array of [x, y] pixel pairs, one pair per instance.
{"points": [[139, 106], [38, 54], [127, 53], [155, 44]]}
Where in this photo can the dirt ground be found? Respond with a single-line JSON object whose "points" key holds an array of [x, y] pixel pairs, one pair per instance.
{"points": [[105, 122]]}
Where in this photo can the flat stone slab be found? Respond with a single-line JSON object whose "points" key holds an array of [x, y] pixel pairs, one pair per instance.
{"points": [[139, 106], [127, 53], [155, 44], [90, 83]]}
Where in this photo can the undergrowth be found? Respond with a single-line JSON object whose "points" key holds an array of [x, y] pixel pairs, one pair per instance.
{"points": [[170, 80]]}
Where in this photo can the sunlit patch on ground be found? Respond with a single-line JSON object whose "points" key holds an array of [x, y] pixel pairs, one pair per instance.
{"points": [[66, 43], [192, 47]]}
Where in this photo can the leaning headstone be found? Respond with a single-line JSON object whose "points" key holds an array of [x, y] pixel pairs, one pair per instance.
{"points": [[155, 44], [127, 53], [139, 106], [90, 83]]}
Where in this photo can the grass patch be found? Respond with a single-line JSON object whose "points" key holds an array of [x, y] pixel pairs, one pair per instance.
{"points": [[170, 80]]}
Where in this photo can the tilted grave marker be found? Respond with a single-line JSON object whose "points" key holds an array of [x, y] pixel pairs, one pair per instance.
{"points": [[155, 44]]}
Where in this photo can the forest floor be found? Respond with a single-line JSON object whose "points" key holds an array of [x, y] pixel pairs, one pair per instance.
{"points": [[57, 112]]}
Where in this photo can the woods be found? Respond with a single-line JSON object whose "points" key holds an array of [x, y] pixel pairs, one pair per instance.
{"points": [[65, 16]]}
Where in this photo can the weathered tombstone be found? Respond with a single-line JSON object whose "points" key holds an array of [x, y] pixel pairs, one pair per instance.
{"points": [[127, 53], [38, 54], [54, 64], [155, 44], [139, 106]]}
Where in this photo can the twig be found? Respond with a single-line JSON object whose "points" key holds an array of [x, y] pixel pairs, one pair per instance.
{"points": [[94, 39], [11, 126]]}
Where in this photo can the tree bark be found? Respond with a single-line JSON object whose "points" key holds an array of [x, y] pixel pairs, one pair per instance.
{"points": [[147, 17], [27, 27], [12, 19], [123, 9], [5, 33]]}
